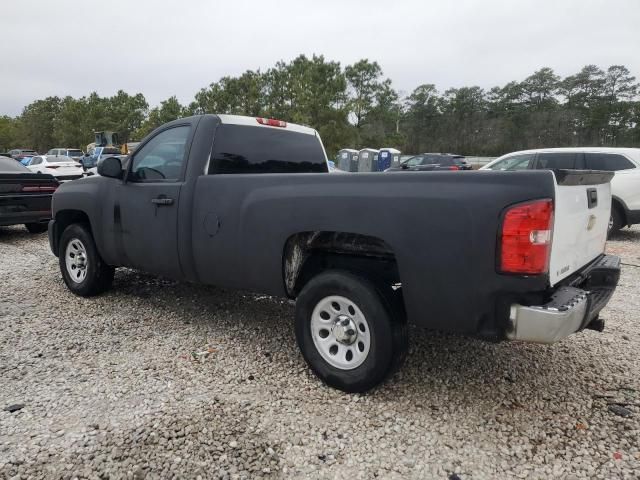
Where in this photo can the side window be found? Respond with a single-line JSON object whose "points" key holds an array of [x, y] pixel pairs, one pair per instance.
{"points": [[413, 161], [36, 161], [609, 162], [247, 149], [162, 157], [553, 160], [516, 162]]}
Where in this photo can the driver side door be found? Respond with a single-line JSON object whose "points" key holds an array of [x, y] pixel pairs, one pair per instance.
{"points": [[147, 203]]}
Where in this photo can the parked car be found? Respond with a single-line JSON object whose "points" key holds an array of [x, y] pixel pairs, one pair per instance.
{"points": [[624, 162], [25, 197], [253, 207], [20, 153], [432, 162], [63, 168], [90, 160], [74, 153]]}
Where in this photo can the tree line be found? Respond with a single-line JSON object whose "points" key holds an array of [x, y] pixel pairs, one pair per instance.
{"points": [[357, 106]]}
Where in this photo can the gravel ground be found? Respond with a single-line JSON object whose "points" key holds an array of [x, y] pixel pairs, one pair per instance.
{"points": [[110, 389]]}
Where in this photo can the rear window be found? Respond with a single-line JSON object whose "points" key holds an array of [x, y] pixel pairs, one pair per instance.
{"points": [[246, 149], [609, 162], [553, 160]]}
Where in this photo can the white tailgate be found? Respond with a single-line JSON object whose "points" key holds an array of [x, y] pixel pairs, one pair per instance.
{"points": [[579, 232]]}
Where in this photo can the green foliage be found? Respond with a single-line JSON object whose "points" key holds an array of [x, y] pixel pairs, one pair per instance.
{"points": [[356, 106]]}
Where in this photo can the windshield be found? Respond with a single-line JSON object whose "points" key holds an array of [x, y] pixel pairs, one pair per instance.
{"points": [[74, 153]]}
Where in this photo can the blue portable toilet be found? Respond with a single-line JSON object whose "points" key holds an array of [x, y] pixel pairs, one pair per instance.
{"points": [[368, 160], [387, 158], [347, 160]]}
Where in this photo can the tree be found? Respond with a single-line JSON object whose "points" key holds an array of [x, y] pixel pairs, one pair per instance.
{"points": [[363, 78]]}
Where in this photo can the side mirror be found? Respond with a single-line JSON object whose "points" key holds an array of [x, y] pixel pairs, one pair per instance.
{"points": [[110, 167]]}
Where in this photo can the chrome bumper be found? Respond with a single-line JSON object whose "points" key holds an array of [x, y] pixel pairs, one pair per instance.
{"points": [[571, 307]]}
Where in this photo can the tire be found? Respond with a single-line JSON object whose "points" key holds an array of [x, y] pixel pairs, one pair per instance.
{"points": [[36, 227], [616, 222], [378, 346], [83, 270]]}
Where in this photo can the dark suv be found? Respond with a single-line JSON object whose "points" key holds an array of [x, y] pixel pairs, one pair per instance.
{"points": [[433, 162]]}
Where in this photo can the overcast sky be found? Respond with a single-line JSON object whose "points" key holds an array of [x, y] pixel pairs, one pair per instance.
{"points": [[169, 47]]}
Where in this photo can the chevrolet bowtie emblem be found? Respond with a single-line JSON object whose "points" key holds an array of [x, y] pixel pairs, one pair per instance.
{"points": [[591, 223]]}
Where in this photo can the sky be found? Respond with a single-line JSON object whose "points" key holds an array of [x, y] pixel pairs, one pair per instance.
{"points": [[168, 47]]}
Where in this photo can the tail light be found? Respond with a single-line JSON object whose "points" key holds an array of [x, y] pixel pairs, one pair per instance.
{"points": [[39, 188], [453, 167], [525, 242], [271, 122]]}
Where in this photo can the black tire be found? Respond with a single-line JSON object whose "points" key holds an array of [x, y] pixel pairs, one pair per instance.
{"points": [[387, 330], [36, 227], [99, 275], [617, 220]]}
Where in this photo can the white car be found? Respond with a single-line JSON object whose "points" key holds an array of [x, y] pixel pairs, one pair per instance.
{"points": [[63, 168], [625, 162]]}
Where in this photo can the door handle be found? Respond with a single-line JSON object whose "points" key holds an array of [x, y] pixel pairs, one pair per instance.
{"points": [[162, 200]]}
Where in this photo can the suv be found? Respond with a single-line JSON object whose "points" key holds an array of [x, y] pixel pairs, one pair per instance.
{"points": [[433, 162], [625, 162], [73, 153]]}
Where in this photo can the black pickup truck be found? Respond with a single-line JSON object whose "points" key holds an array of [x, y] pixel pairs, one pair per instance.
{"points": [[248, 203]]}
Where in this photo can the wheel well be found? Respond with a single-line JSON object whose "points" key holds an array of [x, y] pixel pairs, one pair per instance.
{"points": [[308, 253], [64, 218], [617, 204]]}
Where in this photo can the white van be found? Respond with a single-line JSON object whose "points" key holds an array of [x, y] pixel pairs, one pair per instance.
{"points": [[625, 162]]}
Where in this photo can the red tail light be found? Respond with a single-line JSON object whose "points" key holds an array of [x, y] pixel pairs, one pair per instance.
{"points": [[525, 243], [271, 122], [453, 168]]}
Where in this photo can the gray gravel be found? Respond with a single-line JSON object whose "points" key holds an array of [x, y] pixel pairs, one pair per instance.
{"points": [[110, 389]]}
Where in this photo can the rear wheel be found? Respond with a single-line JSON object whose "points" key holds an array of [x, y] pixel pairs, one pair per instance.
{"points": [[36, 227], [83, 270], [348, 331], [616, 221]]}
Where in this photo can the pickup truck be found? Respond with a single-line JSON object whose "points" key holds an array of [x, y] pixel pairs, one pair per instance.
{"points": [[248, 203]]}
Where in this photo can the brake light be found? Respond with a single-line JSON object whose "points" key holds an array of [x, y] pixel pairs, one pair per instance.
{"points": [[525, 243], [39, 188], [272, 122], [453, 167]]}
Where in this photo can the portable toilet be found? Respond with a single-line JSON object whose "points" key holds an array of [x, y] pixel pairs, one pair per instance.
{"points": [[346, 159], [387, 158], [368, 160]]}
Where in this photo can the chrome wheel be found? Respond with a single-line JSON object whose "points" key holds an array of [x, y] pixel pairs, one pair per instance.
{"points": [[76, 260], [340, 332]]}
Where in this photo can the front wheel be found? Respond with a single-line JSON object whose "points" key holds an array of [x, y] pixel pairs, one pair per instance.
{"points": [[83, 270], [348, 332]]}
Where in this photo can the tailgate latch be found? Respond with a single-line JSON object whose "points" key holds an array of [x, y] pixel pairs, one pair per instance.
{"points": [[592, 197]]}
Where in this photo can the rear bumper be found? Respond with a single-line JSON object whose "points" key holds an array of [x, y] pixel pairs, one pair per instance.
{"points": [[572, 307]]}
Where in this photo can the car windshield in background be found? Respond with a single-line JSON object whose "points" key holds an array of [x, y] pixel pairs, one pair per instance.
{"points": [[59, 159], [9, 165], [74, 153]]}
